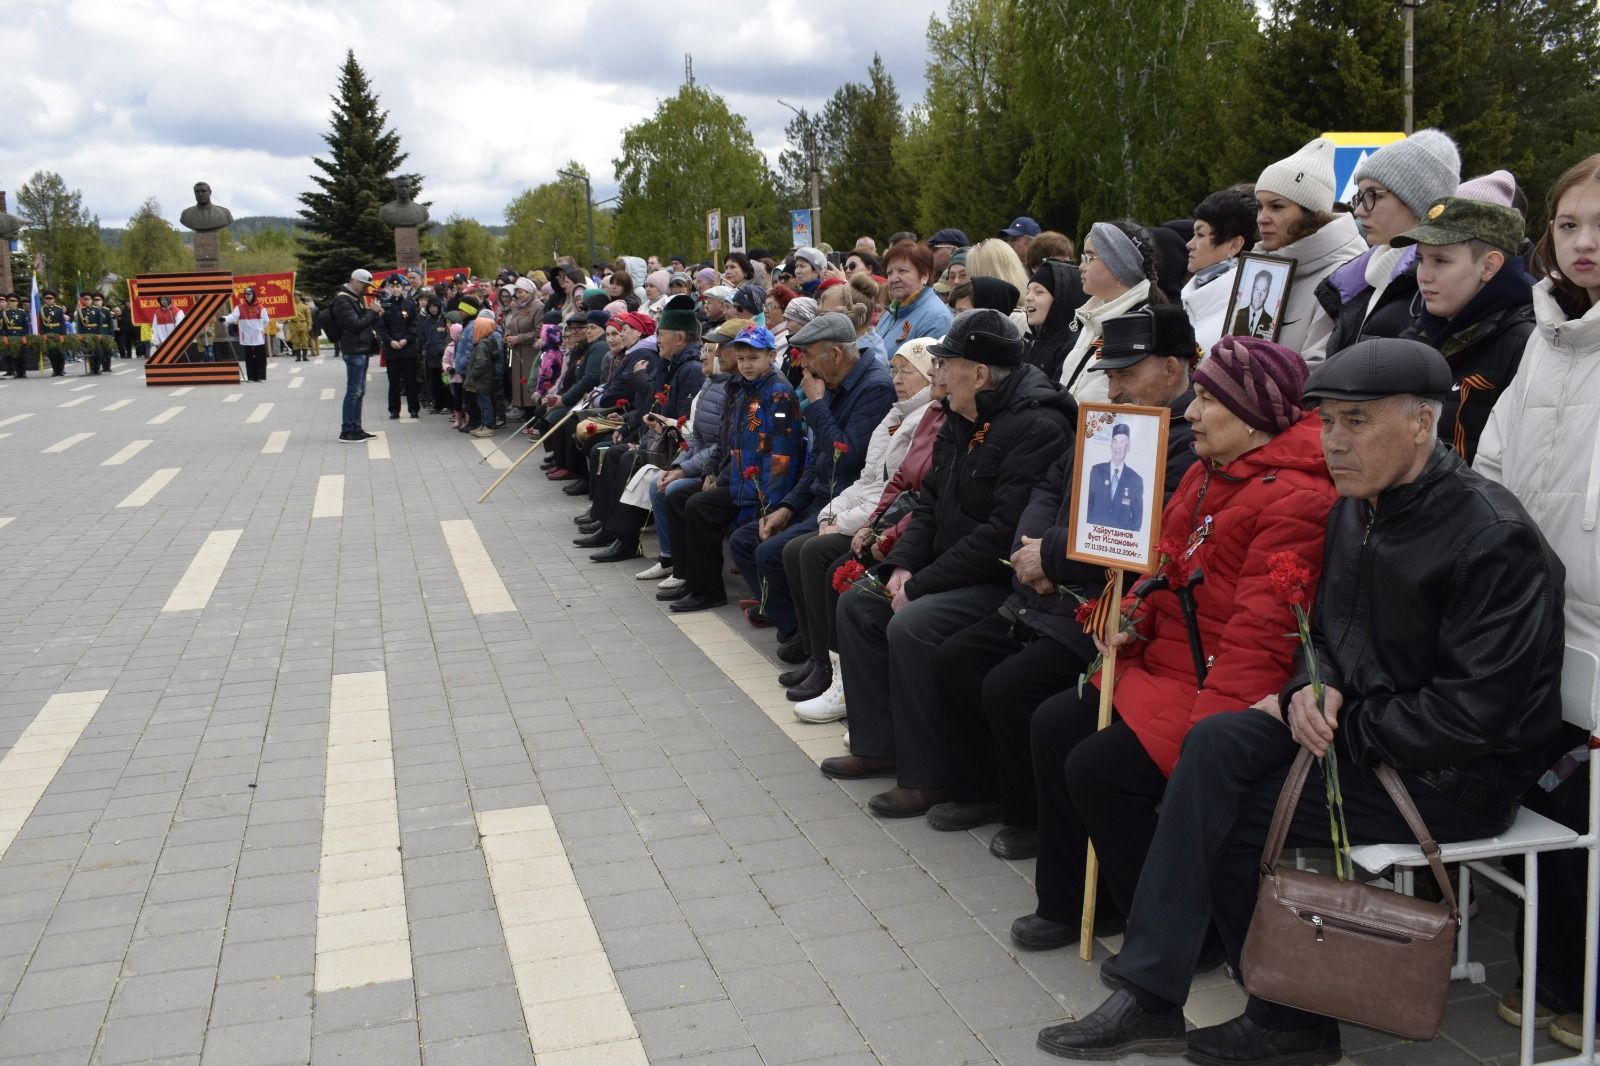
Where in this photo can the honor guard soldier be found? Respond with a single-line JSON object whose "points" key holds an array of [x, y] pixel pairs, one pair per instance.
{"points": [[53, 331], [14, 336], [105, 333]]}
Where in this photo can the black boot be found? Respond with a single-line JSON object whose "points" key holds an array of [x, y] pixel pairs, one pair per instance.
{"points": [[815, 684]]}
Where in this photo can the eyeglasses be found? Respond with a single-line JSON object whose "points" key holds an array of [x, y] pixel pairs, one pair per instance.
{"points": [[1367, 199], [1085, 258], [905, 371]]}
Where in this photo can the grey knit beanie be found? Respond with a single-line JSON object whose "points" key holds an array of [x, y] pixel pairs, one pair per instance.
{"points": [[1418, 170]]}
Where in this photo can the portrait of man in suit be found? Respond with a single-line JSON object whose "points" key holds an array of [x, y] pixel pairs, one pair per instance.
{"points": [[1116, 491], [1255, 320]]}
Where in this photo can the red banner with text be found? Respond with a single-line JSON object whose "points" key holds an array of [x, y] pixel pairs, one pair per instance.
{"points": [[275, 292], [144, 307]]}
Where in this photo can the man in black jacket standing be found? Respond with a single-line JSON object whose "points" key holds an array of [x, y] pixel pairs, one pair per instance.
{"points": [[1007, 423], [1438, 628], [356, 324], [401, 342]]}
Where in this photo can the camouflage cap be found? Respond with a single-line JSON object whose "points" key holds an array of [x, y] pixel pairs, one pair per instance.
{"points": [[1453, 220]]}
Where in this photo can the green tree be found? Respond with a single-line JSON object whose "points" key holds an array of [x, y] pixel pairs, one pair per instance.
{"points": [[150, 245], [353, 182], [549, 221], [964, 139], [691, 156], [869, 190], [263, 251], [1119, 96], [61, 229], [467, 243]]}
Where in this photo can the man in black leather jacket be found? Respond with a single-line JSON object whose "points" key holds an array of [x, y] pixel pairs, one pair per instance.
{"points": [[1438, 629]]}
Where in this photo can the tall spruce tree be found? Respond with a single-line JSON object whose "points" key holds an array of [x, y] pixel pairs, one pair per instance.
{"points": [[869, 191], [356, 179]]}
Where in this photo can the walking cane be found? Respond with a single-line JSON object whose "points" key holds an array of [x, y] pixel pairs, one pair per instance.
{"points": [[1108, 674], [501, 446], [531, 449]]}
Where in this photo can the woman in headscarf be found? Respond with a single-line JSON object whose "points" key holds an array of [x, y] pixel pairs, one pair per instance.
{"points": [[1055, 292]]}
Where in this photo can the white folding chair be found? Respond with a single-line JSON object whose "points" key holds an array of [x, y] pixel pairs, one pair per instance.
{"points": [[1529, 835]]}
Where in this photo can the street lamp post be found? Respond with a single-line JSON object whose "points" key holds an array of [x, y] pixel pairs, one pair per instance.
{"points": [[1409, 8], [588, 204], [816, 171]]}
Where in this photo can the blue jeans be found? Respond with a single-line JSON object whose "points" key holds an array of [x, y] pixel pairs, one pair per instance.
{"points": [[658, 502], [355, 389]]}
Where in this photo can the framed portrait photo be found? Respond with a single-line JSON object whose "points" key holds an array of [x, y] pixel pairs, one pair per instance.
{"points": [[1260, 292], [1118, 481]]}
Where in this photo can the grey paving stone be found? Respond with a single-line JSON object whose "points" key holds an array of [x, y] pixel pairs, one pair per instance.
{"points": [[461, 969], [392, 1045], [286, 1040], [268, 1000], [508, 1048], [142, 1037], [34, 1032], [449, 1015], [692, 1029], [669, 984]]}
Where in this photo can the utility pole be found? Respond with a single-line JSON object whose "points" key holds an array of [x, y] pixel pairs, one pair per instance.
{"points": [[688, 68], [1409, 8], [816, 171], [588, 204]]}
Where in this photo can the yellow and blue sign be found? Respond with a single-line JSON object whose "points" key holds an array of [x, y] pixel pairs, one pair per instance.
{"points": [[1349, 150]]}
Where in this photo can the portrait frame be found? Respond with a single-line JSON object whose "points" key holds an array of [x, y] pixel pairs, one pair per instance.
{"points": [[1279, 271], [1116, 522], [736, 236], [714, 230]]}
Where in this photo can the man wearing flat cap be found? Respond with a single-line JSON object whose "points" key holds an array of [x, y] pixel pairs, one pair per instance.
{"points": [[1006, 424], [1438, 630]]}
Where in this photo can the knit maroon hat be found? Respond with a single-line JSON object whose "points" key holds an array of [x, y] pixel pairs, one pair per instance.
{"points": [[1257, 380]]}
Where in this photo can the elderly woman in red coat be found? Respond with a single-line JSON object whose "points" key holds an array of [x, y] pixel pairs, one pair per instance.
{"points": [[1261, 487]]}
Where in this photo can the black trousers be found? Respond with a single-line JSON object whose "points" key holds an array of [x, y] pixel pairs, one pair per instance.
{"points": [[698, 522], [1214, 820], [255, 361], [809, 561], [403, 379], [58, 361], [612, 473], [436, 389], [564, 445], [992, 677], [19, 357], [1563, 880]]}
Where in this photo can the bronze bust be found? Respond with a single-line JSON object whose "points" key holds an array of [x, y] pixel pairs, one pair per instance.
{"points": [[203, 216], [402, 210]]}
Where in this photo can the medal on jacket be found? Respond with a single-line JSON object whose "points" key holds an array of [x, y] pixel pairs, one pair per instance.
{"points": [[1198, 537]]}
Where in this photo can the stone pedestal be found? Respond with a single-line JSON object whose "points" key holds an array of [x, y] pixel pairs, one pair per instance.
{"points": [[5, 264], [207, 251], [407, 252]]}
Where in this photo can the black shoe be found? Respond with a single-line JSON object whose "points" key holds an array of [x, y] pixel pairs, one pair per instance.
{"points": [[594, 525], [1033, 933], [816, 683], [1115, 1028], [577, 488], [598, 539], [351, 438], [954, 817], [365, 435], [791, 678], [695, 602], [394, 418], [1242, 1042], [584, 518], [1015, 842], [618, 551], [792, 651], [668, 595]]}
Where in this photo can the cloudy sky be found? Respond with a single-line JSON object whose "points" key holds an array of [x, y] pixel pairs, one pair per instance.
{"points": [[128, 99]]}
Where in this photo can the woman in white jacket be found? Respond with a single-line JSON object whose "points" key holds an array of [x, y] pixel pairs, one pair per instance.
{"points": [[807, 560], [1224, 226], [1294, 199], [1119, 274]]}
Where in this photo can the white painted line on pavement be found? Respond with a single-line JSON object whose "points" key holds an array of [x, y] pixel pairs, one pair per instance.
{"points": [[14, 419], [205, 570], [117, 406], [486, 593], [574, 1011], [327, 394], [295, 383], [7, 520], [152, 485], [76, 402], [180, 392], [61, 381], [295, 370], [497, 459], [3, 436], [378, 446], [233, 397], [32, 762], [80, 388], [63, 445], [329, 501], [260, 413], [128, 453], [165, 416], [363, 936], [275, 442]]}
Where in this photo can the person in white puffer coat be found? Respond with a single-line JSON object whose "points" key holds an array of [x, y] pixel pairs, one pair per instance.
{"points": [[1224, 226]]}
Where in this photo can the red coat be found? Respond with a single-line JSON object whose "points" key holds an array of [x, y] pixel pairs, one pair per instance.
{"points": [[1275, 498]]}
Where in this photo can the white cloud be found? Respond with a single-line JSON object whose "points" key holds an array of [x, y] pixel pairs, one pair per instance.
{"points": [[134, 98]]}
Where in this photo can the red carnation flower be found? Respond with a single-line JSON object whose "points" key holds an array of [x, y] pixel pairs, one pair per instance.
{"points": [[1085, 611], [847, 575], [1289, 576], [752, 472], [841, 447]]}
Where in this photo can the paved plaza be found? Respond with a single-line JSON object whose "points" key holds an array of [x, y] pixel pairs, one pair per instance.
{"points": [[308, 757]]}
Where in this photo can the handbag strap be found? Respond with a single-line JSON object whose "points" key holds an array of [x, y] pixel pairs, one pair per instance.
{"points": [[1289, 799]]}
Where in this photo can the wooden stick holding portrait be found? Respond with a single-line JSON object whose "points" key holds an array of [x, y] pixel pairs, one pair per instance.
{"points": [[1115, 522]]}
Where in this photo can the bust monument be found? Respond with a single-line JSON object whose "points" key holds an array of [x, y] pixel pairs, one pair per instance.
{"points": [[403, 210], [203, 216]]}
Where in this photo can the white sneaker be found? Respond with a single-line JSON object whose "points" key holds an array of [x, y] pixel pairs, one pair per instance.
{"points": [[672, 583], [655, 573], [828, 707]]}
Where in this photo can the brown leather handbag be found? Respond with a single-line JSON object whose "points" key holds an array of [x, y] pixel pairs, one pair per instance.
{"points": [[1351, 951]]}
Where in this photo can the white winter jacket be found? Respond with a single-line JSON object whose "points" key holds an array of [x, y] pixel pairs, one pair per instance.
{"points": [[1543, 443], [1306, 326], [1206, 301], [886, 450], [1077, 373]]}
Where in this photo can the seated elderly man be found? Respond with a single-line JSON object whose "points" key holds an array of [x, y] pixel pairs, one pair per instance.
{"points": [[1438, 625], [1007, 423]]}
